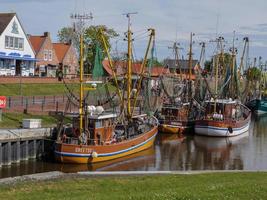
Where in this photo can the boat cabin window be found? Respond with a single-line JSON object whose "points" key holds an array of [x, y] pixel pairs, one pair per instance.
{"points": [[98, 124], [219, 108], [95, 123]]}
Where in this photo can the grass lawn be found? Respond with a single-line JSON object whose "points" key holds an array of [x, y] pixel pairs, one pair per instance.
{"points": [[202, 186], [14, 120], [34, 89]]}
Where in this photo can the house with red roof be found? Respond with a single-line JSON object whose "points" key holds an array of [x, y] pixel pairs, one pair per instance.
{"points": [[121, 70], [67, 58], [47, 60]]}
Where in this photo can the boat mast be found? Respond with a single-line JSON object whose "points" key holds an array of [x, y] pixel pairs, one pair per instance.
{"points": [[151, 37], [190, 56], [233, 50], [245, 49], [81, 19], [129, 66]]}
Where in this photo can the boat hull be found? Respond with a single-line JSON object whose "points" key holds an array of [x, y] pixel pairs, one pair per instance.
{"points": [[258, 106], [80, 154], [221, 131], [183, 127]]}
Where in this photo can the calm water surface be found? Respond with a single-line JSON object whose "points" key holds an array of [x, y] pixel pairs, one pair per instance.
{"points": [[247, 151]]}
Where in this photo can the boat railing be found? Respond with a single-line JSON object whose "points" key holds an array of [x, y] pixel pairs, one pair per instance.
{"points": [[220, 117]]}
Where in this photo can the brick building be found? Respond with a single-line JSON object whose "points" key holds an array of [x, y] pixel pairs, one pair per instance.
{"points": [[47, 61], [67, 58]]}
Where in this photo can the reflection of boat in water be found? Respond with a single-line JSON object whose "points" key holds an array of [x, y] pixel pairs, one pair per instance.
{"points": [[171, 138], [218, 143], [137, 160], [220, 152]]}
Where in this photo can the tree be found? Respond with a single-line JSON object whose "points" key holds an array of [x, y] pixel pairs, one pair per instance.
{"points": [[224, 61], [92, 38], [253, 74]]}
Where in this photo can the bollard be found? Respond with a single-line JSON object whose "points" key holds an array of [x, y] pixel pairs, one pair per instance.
{"points": [[57, 106]]}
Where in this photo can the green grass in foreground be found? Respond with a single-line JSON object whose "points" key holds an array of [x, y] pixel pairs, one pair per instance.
{"points": [[14, 120], [204, 186]]}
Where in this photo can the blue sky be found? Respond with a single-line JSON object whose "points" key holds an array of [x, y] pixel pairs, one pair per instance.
{"points": [[172, 19]]}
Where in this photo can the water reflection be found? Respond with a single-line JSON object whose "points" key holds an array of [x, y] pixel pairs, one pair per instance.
{"points": [[171, 152], [219, 153]]}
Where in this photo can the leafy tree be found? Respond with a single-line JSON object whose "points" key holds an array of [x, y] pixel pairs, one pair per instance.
{"points": [[92, 37], [223, 61], [253, 74], [155, 62]]}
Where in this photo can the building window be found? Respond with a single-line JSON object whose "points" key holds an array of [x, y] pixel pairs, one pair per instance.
{"points": [[6, 41], [21, 42], [50, 55], [14, 43], [45, 54], [11, 42]]}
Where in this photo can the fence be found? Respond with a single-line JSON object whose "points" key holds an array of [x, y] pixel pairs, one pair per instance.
{"points": [[36, 104]]}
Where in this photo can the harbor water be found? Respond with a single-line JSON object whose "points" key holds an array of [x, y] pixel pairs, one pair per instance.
{"points": [[170, 152]]}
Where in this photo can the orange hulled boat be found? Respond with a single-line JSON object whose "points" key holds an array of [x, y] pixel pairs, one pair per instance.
{"points": [[96, 135]]}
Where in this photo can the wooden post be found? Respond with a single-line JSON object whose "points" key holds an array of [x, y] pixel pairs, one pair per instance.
{"points": [[9, 102]]}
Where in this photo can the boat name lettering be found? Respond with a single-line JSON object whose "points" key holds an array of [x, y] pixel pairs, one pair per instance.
{"points": [[83, 150]]}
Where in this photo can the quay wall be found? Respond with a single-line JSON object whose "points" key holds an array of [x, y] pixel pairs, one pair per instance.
{"points": [[18, 145]]}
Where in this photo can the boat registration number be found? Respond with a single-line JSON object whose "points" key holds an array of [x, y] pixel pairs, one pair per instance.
{"points": [[83, 150]]}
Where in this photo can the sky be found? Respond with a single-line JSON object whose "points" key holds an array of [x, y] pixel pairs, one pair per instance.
{"points": [[173, 21]]}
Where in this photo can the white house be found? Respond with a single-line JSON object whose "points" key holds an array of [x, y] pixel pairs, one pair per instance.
{"points": [[17, 57]]}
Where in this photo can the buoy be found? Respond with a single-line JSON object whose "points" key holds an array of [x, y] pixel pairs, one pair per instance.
{"points": [[94, 154]]}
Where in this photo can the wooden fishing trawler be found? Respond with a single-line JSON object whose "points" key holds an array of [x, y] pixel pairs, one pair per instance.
{"points": [[96, 135], [175, 118], [223, 116], [177, 113]]}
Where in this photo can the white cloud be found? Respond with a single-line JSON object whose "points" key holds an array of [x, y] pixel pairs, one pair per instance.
{"points": [[168, 17]]}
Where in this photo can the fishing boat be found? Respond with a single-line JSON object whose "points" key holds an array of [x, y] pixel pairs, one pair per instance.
{"points": [[258, 102], [258, 105], [223, 117], [96, 134], [177, 113], [175, 118]]}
